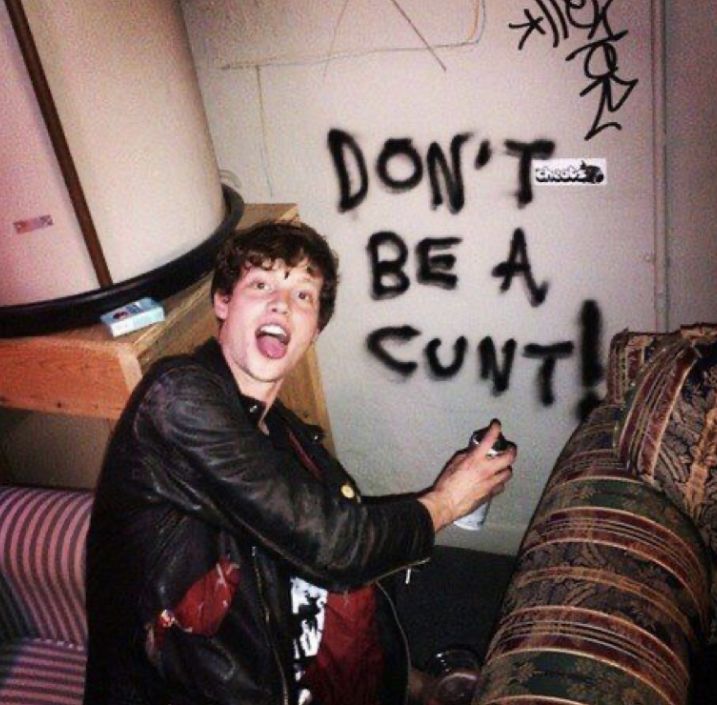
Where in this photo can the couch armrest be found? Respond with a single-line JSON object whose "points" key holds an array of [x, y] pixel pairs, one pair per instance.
{"points": [[609, 602]]}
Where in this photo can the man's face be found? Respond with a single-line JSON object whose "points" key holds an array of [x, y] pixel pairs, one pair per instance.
{"points": [[268, 323]]}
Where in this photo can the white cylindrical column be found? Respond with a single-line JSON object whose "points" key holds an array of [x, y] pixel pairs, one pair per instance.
{"points": [[124, 85]]}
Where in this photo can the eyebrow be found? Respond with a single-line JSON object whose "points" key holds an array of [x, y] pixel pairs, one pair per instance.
{"points": [[311, 273], [309, 279], [308, 275]]}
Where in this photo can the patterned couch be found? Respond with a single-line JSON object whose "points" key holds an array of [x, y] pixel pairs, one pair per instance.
{"points": [[42, 618], [612, 599]]}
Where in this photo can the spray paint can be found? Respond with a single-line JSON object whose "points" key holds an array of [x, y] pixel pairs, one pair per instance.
{"points": [[475, 520]]}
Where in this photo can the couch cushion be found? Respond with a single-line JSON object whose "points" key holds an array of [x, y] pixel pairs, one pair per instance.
{"points": [[629, 352], [667, 434], [41, 672], [42, 539]]}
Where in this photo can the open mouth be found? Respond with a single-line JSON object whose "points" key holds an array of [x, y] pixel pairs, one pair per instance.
{"points": [[272, 340]]}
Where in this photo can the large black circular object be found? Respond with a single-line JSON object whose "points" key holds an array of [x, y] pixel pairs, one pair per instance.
{"points": [[85, 309]]}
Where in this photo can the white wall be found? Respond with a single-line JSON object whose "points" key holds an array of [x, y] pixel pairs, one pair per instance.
{"points": [[691, 41], [272, 99], [51, 449]]}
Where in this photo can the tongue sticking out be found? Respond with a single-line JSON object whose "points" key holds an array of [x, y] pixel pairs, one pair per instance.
{"points": [[271, 346]]}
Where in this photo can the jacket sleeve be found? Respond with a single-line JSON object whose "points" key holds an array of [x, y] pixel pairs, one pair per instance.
{"points": [[229, 474]]}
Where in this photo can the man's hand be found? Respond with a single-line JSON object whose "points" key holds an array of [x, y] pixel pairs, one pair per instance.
{"points": [[470, 478]]}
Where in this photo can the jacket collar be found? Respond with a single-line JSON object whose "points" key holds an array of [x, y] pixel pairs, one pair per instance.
{"points": [[211, 356]]}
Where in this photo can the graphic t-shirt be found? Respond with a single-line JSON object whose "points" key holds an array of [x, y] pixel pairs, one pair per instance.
{"points": [[308, 610]]}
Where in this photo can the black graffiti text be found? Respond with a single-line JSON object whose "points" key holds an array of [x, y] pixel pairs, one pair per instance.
{"points": [[388, 258], [444, 360], [526, 152], [399, 167], [599, 53], [600, 64], [388, 255], [518, 263], [592, 371]]}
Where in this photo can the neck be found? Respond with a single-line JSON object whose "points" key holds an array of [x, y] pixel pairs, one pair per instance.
{"points": [[265, 392]]}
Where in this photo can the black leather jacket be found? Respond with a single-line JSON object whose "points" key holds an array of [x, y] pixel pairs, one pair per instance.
{"points": [[189, 479]]}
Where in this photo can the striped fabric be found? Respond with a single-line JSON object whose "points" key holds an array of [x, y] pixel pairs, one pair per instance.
{"points": [[609, 602], [667, 435], [629, 351], [649, 406], [590, 446], [43, 629], [39, 672]]}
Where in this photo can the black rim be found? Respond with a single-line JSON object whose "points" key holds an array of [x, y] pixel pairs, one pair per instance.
{"points": [[85, 309]]}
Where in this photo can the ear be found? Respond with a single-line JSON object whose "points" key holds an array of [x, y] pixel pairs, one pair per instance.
{"points": [[221, 305]]}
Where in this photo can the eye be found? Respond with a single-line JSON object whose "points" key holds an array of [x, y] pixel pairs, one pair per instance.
{"points": [[259, 284], [308, 297]]}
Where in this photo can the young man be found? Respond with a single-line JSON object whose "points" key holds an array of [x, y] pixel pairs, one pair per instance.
{"points": [[230, 558]]}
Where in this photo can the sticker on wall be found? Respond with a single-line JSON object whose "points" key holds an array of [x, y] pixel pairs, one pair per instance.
{"points": [[570, 172], [29, 224]]}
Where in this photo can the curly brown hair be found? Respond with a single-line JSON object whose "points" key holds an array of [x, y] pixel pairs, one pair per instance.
{"points": [[264, 243]]}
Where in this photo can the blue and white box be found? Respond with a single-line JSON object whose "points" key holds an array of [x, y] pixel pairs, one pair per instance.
{"points": [[133, 316]]}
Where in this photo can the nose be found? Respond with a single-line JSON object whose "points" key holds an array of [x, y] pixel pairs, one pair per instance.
{"points": [[279, 302]]}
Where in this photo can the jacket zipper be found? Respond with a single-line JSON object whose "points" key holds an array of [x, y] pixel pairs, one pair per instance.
{"points": [[267, 619], [404, 641], [405, 566]]}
